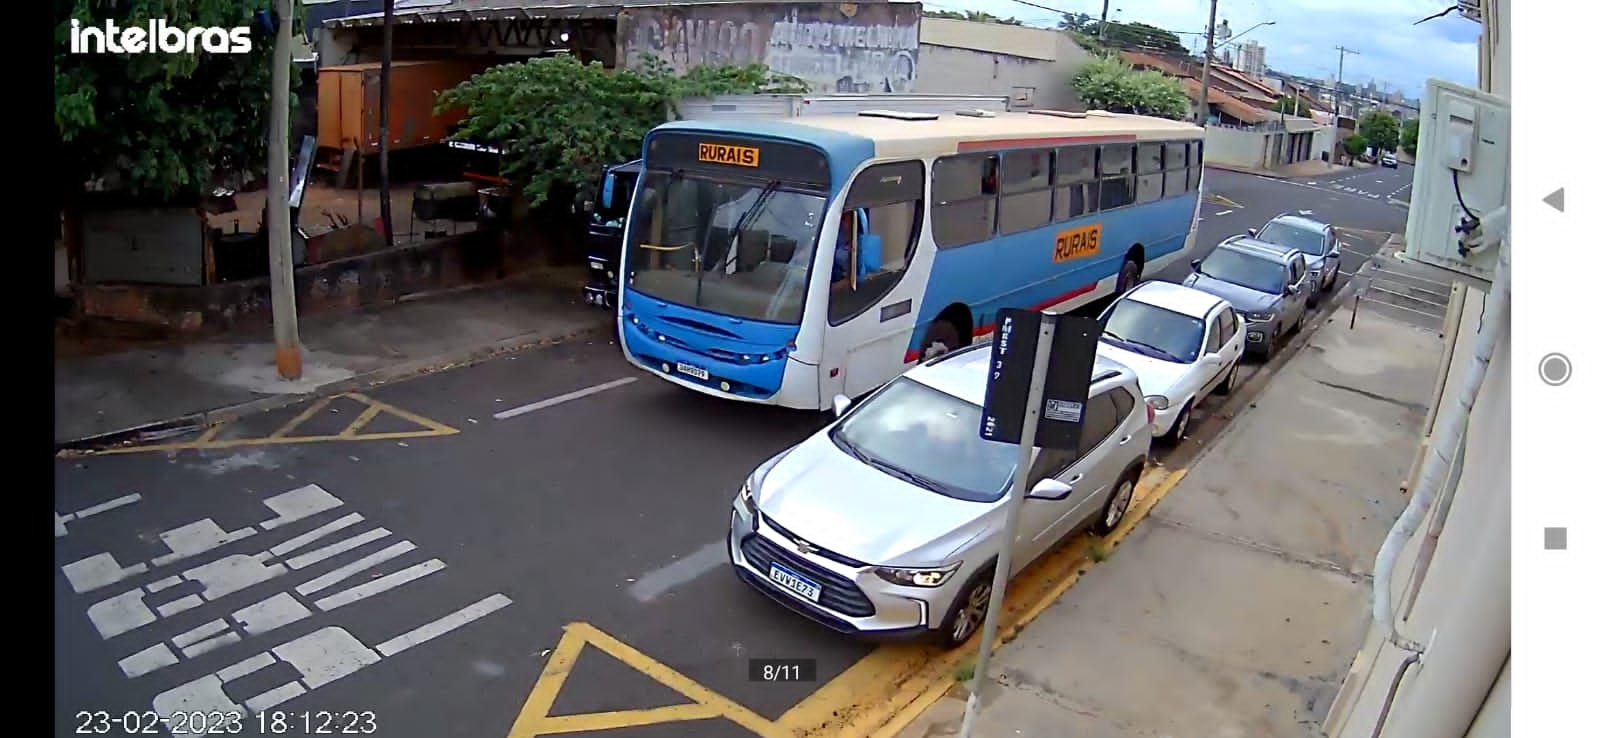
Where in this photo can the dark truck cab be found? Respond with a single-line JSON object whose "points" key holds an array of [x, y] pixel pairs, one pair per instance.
{"points": [[607, 218]]}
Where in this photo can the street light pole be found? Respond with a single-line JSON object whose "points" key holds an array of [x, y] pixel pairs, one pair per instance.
{"points": [[384, 85], [280, 241], [1205, 67]]}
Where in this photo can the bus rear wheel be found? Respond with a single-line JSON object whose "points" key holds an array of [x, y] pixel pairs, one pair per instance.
{"points": [[943, 337]]}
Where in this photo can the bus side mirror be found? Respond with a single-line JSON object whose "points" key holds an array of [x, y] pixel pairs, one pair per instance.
{"points": [[607, 188], [870, 260]]}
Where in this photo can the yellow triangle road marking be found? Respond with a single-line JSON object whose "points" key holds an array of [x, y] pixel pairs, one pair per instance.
{"points": [[284, 434], [536, 720]]}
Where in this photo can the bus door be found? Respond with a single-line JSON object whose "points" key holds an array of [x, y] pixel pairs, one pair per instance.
{"points": [[872, 296]]}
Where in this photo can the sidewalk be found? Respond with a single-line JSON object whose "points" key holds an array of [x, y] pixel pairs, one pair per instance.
{"points": [[114, 392], [1293, 171], [1234, 610]]}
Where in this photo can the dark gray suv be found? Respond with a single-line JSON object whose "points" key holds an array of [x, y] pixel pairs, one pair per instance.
{"points": [[1269, 285]]}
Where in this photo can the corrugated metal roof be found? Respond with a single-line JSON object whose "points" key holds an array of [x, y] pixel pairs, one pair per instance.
{"points": [[411, 11]]}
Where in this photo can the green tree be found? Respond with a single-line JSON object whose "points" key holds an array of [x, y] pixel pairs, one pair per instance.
{"points": [[162, 125], [1408, 136], [559, 121], [1355, 145], [1110, 84], [1078, 22], [1285, 105], [1380, 129], [1143, 36], [976, 16]]}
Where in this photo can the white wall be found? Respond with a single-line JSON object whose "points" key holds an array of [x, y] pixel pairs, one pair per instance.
{"points": [[1033, 66], [1235, 146]]}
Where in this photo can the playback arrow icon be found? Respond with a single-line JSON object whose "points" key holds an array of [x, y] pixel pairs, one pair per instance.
{"points": [[1557, 200]]}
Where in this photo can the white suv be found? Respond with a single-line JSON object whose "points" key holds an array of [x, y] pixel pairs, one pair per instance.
{"points": [[889, 521]]}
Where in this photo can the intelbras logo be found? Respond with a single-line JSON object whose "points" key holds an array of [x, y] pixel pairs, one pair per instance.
{"points": [[158, 37]]}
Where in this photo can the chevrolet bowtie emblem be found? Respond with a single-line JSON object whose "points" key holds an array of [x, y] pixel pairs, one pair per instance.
{"points": [[804, 547]]}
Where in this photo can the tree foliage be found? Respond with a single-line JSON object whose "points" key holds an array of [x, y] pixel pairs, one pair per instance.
{"points": [[1108, 83], [1380, 130], [559, 121], [1285, 105], [1408, 136], [976, 16], [1355, 145], [155, 124]]}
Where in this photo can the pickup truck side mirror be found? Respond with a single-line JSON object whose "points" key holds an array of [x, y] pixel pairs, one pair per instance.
{"points": [[1050, 489], [1194, 265], [840, 405], [1251, 231]]}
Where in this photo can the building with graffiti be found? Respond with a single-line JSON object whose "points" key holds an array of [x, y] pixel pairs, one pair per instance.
{"points": [[833, 46]]}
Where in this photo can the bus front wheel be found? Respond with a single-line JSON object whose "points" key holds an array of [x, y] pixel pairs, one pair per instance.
{"points": [[1128, 276], [943, 337]]}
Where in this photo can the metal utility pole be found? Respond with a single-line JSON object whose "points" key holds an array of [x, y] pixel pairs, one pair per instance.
{"points": [[280, 240], [1019, 493], [1338, 85], [383, 124], [1105, 11], [1205, 67]]}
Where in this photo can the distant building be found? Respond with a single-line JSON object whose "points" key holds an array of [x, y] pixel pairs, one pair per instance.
{"points": [[1252, 59]]}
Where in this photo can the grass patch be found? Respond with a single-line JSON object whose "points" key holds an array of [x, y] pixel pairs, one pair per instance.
{"points": [[1099, 551], [965, 670]]}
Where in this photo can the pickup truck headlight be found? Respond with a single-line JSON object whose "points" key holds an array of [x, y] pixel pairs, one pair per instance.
{"points": [[910, 577]]}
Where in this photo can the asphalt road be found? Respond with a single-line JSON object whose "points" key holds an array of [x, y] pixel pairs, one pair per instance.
{"points": [[411, 559]]}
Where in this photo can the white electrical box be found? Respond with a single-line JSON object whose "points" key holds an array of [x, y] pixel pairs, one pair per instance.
{"points": [[1463, 167]]}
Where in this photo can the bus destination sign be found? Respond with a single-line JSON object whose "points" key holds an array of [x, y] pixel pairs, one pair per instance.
{"points": [[739, 156]]}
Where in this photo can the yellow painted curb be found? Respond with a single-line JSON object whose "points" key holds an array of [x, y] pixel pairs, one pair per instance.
{"points": [[889, 688]]}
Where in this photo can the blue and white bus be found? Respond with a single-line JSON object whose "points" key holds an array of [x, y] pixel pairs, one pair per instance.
{"points": [[787, 262]]}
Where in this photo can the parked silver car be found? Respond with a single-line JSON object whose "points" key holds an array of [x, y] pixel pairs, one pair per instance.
{"points": [[1269, 284], [888, 522], [1319, 241]]}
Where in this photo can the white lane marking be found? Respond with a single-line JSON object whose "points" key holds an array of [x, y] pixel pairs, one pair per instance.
{"points": [[334, 549], [568, 397], [1225, 212], [301, 540], [97, 571], [425, 633], [62, 520], [151, 659], [299, 504], [321, 657], [351, 569], [377, 586], [680, 572]]}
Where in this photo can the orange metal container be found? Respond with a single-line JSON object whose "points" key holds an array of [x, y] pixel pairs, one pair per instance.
{"points": [[347, 104]]}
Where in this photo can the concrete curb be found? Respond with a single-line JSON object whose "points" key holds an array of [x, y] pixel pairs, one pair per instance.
{"points": [[398, 372]]}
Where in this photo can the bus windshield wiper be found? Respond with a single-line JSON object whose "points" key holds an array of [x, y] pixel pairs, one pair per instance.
{"points": [[749, 215]]}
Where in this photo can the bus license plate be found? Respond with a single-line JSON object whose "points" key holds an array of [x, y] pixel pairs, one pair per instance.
{"points": [[795, 583], [1078, 243], [693, 371]]}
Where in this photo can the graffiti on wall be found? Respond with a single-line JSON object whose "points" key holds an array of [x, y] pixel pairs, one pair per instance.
{"points": [[835, 47]]}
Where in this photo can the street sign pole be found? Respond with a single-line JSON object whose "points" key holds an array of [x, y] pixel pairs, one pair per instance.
{"points": [[1019, 491]]}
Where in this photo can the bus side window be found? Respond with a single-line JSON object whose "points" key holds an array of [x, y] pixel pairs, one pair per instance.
{"points": [[877, 236], [963, 207], [1116, 176], [1077, 189], [1148, 170], [1177, 169]]}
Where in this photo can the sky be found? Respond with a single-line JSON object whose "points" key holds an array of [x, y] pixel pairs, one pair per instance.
{"points": [[1304, 35]]}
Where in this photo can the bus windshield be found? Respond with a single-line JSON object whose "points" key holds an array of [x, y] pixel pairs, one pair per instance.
{"points": [[737, 248]]}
